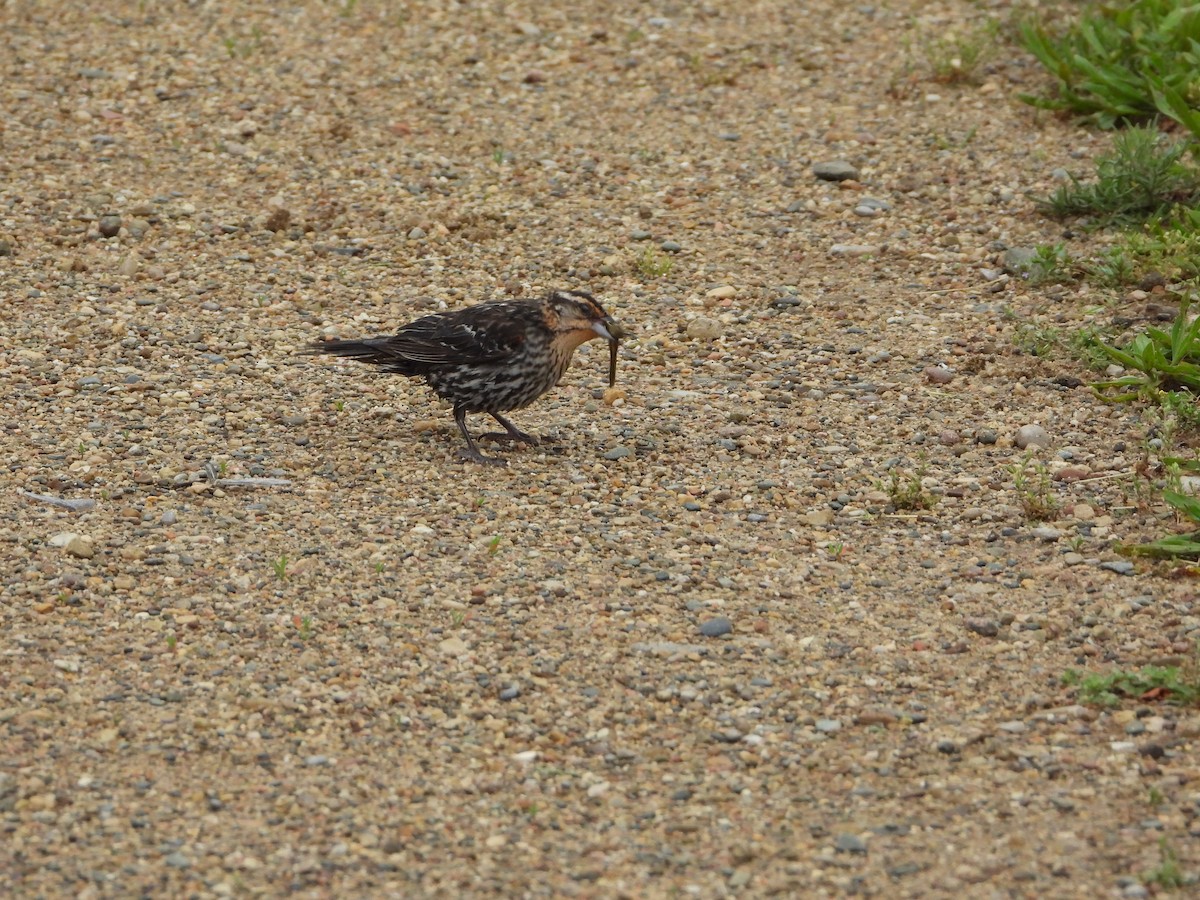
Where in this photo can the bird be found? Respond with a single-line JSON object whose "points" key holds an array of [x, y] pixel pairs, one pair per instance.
{"points": [[490, 358]]}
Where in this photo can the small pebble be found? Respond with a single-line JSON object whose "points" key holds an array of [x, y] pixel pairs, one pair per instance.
{"points": [[716, 627], [1031, 436], [984, 627], [849, 843], [835, 170], [109, 225], [703, 328], [938, 375]]}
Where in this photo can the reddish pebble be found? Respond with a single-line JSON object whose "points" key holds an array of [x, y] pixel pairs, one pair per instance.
{"points": [[938, 375], [1071, 473]]}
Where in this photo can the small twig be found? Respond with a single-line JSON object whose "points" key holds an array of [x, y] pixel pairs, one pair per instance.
{"points": [[1000, 280], [252, 482], [63, 502]]}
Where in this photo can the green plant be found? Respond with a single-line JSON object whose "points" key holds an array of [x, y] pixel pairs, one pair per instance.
{"points": [[1168, 245], [1050, 264], [957, 58], [651, 264], [1122, 62], [1037, 340], [494, 546], [339, 405], [908, 493], [1168, 683], [172, 640], [1155, 797], [1168, 874], [457, 617], [304, 625], [835, 549], [1164, 361], [1085, 346], [1144, 175], [279, 566], [1034, 490], [1174, 546]]}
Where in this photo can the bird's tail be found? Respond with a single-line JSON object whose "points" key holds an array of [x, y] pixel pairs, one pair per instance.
{"points": [[374, 351]]}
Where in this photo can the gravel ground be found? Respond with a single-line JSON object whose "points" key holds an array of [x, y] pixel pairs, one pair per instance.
{"points": [[691, 648]]}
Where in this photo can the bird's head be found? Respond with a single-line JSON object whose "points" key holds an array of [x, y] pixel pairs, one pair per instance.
{"points": [[575, 317]]}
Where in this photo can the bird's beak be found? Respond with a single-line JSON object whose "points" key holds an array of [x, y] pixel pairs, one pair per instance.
{"points": [[609, 330]]}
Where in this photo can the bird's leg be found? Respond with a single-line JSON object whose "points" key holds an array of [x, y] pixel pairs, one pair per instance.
{"points": [[513, 433], [472, 452]]}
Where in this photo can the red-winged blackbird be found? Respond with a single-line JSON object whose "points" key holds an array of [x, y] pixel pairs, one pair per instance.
{"points": [[492, 357]]}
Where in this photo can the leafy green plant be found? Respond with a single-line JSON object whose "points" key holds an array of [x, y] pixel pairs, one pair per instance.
{"points": [[1034, 489], [1174, 546], [1122, 63], [1150, 682], [1164, 361], [651, 264], [494, 545], [1050, 264], [1168, 874], [908, 493], [957, 58], [279, 566], [1037, 340], [1144, 175]]}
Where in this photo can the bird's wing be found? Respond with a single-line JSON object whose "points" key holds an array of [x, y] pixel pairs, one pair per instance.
{"points": [[487, 333]]}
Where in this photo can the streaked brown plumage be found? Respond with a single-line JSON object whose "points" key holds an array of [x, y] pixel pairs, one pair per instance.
{"points": [[489, 358]]}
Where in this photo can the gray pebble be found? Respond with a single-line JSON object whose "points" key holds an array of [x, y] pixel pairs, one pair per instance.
{"points": [[1120, 566], [109, 225], [416, 233], [671, 246], [852, 250], [618, 452], [828, 726], [985, 436], [511, 692], [317, 760], [1017, 260], [716, 627], [1135, 890], [177, 860], [730, 136], [835, 170], [639, 234], [1046, 533], [1031, 436], [849, 843], [985, 627]]}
